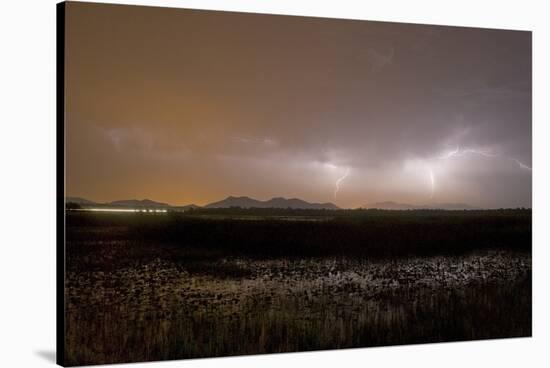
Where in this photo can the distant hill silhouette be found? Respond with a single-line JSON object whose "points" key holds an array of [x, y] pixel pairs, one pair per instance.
{"points": [[389, 205], [80, 201], [186, 207], [243, 202], [125, 203], [277, 202]]}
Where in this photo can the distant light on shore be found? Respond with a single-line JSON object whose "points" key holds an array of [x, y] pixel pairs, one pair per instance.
{"points": [[139, 210]]}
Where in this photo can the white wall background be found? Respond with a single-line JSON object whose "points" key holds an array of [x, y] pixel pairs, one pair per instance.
{"points": [[27, 182]]}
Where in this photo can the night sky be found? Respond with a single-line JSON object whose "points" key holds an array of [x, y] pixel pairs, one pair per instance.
{"points": [[186, 106]]}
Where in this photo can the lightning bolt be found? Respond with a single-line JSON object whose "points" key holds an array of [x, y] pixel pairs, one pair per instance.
{"points": [[463, 152], [432, 182], [521, 164], [459, 153], [486, 153], [450, 154], [339, 181]]}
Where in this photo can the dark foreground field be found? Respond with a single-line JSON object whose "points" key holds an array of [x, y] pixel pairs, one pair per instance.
{"points": [[228, 282]]}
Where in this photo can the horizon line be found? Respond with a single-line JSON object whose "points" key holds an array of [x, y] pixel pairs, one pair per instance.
{"points": [[425, 205]]}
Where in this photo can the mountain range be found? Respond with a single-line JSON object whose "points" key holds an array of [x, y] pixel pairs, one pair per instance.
{"points": [[134, 203], [276, 202], [243, 202]]}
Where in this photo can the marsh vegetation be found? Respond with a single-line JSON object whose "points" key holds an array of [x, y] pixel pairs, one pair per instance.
{"points": [[228, 282]]}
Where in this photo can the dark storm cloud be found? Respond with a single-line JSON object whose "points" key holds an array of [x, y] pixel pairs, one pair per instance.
{"points": [[191, 106]]}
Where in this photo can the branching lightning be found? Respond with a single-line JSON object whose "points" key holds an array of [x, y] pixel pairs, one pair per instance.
{"points": [[521, 164], [339, 181], [486, 153], [458, 152]]}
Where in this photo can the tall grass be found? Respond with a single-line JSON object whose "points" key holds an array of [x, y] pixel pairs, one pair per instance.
{"points": [[479, 312]]}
